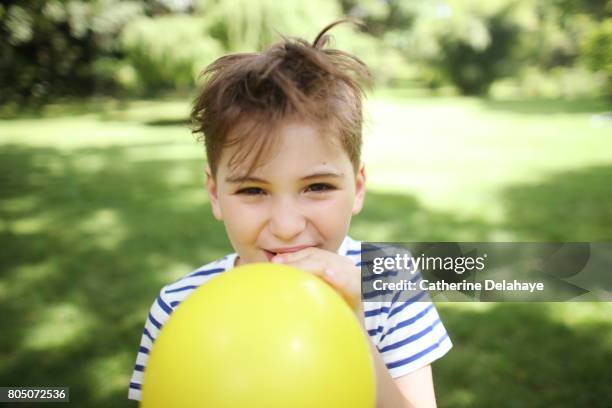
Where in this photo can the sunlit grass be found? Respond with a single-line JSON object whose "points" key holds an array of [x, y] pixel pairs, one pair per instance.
{"points": [[56, 326], [457, 154]]}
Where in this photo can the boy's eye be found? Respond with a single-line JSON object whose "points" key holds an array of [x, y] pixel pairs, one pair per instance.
{"points": [[320, 187], [250, 191]]}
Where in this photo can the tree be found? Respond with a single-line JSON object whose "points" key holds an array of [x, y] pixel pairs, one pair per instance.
{"points": [[49, 48]]}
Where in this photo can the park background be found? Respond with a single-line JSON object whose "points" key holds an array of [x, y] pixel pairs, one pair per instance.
{"points": [[490, 121]]}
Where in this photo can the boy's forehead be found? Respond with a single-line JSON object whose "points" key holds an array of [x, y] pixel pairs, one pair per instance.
{"points": [[299, 147]]}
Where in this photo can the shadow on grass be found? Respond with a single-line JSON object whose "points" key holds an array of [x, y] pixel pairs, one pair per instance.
{"points": [[169, 122], [67, 107], [536, 106], [521, 355], [568, 206], [89, 238], [398, 217]]}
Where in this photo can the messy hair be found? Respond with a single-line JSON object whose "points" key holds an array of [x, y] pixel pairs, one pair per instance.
{"points": [[246, 96]]}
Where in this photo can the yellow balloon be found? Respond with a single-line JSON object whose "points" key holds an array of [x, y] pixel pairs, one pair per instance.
{"points": [[261, 336]]}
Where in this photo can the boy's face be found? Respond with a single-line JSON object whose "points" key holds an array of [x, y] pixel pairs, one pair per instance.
{"points": [[303, 195]]}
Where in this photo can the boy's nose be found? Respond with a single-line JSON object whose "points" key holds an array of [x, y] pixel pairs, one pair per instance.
{"points": [[286, 221]]}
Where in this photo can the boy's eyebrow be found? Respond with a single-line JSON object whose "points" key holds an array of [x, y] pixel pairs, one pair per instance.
{"points": [[252, 179]]}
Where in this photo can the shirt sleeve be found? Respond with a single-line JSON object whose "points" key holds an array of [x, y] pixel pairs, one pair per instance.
{"points": [[407, 331], [412, 337], [158, 314]]}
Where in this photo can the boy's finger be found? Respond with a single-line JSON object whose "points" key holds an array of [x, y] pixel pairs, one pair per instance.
{"points": [[341, 283], [292, 256], [307, 264], [319, 268]]}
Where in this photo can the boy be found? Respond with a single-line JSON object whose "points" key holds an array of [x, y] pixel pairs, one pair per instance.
{"points": [[283, 139]]}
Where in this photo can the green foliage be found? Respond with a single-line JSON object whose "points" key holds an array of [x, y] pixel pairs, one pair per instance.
{"points": [[469, 44], [57, 48], [387, 65], [598, 52], [598, 9], [48, 48], [383, 16], [166, 52], [473, 67], [244, 25], [559, 82]]}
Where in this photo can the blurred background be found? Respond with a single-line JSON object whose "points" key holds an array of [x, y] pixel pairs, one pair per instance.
{"points": [[490, 121]]}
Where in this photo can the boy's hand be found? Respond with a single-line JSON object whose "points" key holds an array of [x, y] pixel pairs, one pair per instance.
{"points": [[337, 270]]}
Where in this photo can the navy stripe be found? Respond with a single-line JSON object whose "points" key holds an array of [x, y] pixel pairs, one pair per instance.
{"points": [[380, 275], [175, 303], [146, 333], [397, 295], [163, 305], [204, 273], [353, 252], [418, 355], [135, 386], [155, 322], [407, 303], [138, 367], [374, 293], [375, 312], [412, 338], [143, 350], [385, 309], [182, 288], [408, 322], [373, 332]]}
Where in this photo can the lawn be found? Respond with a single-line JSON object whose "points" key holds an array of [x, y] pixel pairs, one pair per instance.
{"points": [[102, 204]]}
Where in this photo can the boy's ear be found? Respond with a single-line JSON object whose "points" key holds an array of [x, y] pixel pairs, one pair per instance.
{"points": [[359, 189], [211, 187]]}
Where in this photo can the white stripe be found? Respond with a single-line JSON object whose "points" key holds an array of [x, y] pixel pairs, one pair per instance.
{"points": [[135, 394], [137, 377], [416, 327], [415, 347]]}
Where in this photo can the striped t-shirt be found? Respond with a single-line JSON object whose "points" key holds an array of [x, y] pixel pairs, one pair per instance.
{"points": [[409, 335]]}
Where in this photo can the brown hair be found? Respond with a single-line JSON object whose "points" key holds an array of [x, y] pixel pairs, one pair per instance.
{"points": [[248, 94]]}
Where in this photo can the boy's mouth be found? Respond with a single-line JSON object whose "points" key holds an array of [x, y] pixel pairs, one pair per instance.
{"points": [[269, 254]]}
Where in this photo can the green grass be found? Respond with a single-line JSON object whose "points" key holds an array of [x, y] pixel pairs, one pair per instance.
{"points": [[102, 204]]}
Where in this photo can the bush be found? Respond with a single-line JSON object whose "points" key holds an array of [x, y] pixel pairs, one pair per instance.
{"points": [[387, 65], [560, 82], [597, 51], [166, 52], [474, 69], [49, 48], [465, 43]]}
